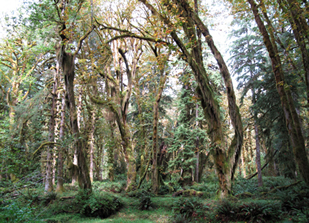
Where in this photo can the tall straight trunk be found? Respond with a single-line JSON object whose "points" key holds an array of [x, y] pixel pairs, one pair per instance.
{"points": [[250, 150], [79, 108], [243, 164], [245, 153], [60, 187], [291, 117], [270, 159], [57, 123], [91, 143], [197, 148], [100, 161], [144, 149], [203, 158], [110, 151], [258, 156], [199, 45], [257, 139], [112, 140], [49, 170], [155, 172]]}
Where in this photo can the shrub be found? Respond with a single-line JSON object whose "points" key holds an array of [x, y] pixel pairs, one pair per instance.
{"points": [[14, 212], [98, 204], [144, 203], [48, 197], [188, 209], [294, 199], [251, 212], [140, 193], [31, 196], [163, 190]]}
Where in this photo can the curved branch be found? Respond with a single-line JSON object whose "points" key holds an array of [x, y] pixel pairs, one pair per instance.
{"points": [[132, 35]]}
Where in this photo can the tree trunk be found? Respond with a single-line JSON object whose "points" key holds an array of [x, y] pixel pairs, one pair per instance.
{"points": [[226, 162], [91, 143], [60, 187], [197, 148], [131, 164], [110, 152], [299, 27], [49, 175], [68, 66], [155, 172], [292, 120], [258, 156], [250, 151]]}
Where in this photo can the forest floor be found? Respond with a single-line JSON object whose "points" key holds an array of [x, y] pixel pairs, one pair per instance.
{"points": [[279, 200]]}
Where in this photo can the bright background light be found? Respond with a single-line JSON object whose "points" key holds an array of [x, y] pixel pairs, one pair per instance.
{"points": [[9, 5]]}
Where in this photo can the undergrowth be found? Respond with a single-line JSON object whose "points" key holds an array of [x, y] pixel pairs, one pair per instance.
{"points": [[109, 200]]}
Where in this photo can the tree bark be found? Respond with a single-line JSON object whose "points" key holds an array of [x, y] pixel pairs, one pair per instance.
{"points": [[197, 168], [231, 159], [226, 162], [60, 187], [155, 173], [290, 114], [91, 143], [299, 27], [258, 156], [49, 176], [110, 151]]}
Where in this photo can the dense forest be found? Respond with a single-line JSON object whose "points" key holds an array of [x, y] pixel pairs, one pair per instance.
{"points": [[126, 111]]}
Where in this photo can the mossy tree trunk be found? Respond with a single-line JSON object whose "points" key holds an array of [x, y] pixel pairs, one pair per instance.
{"points": [[118, 103], [66, 61], [49, 157], [144, 150], [226, 161], [161, 60], [92, 120], [60, 176], [110, 151]]}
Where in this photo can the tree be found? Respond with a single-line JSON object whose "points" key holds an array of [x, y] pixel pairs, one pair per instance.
{"points": [[67, 63], [249, 62], [187, 19], [291, 117]]}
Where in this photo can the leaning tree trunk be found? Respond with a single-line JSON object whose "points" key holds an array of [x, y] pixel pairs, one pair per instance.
{"points": [[300, 29], [226, 162], [291, 117]]}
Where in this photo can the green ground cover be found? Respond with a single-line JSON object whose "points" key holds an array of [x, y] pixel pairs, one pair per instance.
{"points": [[279, 200]]}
